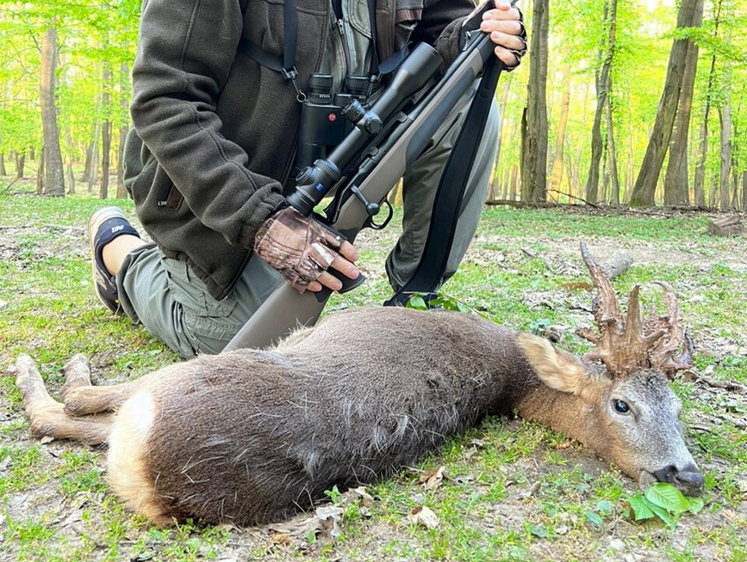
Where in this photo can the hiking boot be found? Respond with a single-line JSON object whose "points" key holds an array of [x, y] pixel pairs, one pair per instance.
{"points": [[104, 226]]}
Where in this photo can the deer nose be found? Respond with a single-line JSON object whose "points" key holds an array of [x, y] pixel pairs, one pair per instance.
{"points": [[689, 481]]}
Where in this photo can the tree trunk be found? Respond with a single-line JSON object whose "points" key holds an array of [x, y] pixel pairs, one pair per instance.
{"points": [[724, 117], [124, 72], [93, 170], [3, 171], [40, 175], [20, 164], [557, 165], [54, 180], [744, 191], [602, 80], [614, 198], [676, 187], [495, 181], [648, 176], [534, 147], [106, 131], [69, 164], [514, 181]]}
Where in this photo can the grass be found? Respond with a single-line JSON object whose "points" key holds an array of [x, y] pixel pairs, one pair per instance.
{"points": [[514, 490]]}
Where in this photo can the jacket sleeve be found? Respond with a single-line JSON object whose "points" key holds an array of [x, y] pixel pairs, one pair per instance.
{"points": [[441, 25], [185, 51]]}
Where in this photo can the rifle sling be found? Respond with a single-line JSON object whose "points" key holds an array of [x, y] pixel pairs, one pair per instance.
{"points": [[430, 271]]}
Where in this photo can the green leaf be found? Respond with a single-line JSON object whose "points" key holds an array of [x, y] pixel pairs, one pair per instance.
{"points": [[594, 518], [641, 509], [662, 514], [604, 507], [696, 504], [417, 302], [539, 531], [668, 497]]}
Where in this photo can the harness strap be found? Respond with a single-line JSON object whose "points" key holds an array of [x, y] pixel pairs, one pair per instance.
{"points": [[448, 200]]}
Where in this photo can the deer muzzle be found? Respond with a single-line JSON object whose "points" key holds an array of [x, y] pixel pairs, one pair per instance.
{"points": [[688, 480]]}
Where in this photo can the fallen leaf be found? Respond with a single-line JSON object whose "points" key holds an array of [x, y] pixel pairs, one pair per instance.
{"points": [[424, 516], [431, 479], [464, 478], [329, 518], [479, 443], [46, 439], [529, 493], [365, 498]]}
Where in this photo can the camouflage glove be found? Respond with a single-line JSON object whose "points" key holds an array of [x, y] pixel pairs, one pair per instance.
{"points": [[298, 247]]}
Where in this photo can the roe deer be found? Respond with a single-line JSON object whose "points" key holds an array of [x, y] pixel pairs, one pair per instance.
{"points": [[252, 436]]}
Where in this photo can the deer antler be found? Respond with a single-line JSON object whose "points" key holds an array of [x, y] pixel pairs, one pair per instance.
{"points": [[663, 355], [630, 345]]}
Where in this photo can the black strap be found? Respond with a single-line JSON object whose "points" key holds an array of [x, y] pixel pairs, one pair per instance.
{"points": [[447, 204], [287, 65]]}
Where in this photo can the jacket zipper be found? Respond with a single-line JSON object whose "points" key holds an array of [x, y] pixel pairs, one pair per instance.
{"points": [[340, 19]]}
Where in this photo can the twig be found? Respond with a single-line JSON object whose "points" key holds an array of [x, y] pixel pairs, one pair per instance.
{"points": [[584, 201]]}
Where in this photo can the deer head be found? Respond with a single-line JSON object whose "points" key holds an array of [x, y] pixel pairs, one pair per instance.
{"points": [[623, 408]]}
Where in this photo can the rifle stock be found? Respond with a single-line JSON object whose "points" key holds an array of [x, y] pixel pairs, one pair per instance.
{"points": [[285, 310]]}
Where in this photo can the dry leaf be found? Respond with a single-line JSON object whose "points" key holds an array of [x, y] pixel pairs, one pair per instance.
{"points": [[431, 479], [479, 443], [464, 478], [366, 499], [329, 518], [46, 439], [424, 516]]}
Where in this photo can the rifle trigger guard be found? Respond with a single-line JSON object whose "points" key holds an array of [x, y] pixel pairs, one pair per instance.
{"points": [[389, 215]]}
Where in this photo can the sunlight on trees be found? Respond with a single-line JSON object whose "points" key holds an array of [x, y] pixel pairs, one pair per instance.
{"points": [[606, 68]]}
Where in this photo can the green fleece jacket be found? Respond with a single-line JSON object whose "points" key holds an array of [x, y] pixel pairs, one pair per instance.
{"points": [[219, 131]]}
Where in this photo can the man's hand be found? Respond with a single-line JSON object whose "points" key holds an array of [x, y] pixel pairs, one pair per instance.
{"points": [[302, 250], [506, 27], [342, 263]]}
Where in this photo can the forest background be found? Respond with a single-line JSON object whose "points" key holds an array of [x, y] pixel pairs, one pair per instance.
{"points": [[631, 103]]}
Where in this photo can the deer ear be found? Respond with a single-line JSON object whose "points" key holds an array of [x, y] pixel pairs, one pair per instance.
{"points": [[556, 368]]}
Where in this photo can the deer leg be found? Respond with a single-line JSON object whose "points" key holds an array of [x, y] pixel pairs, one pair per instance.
{"points": [[82, 398], [48, 417], [77, 375]]}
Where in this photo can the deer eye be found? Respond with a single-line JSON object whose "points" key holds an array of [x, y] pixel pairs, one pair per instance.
{"points": [[620, 406]]}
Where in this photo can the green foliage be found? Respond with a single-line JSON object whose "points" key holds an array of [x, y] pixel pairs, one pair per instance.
{"points": [[665, 502]]}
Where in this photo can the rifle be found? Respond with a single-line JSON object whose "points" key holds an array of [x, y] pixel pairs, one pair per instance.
{"points": [[365, 167]]}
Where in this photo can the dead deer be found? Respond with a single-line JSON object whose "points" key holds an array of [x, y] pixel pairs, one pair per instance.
{"points": [[252, 436]]}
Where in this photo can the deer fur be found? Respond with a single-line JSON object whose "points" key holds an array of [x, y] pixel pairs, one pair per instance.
{"points": [[252, 436]]}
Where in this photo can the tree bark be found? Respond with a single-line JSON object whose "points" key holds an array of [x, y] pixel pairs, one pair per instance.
{"points": [[69, 164], [648, 176], [556, 177], [676, 185], [514, 181], [53, 183], [602, 80], [614, 198], [495, 180], [124, 72], [20, 164], [724, 117], [534, 147], [93, 171], [3, 171], [106, 131]]}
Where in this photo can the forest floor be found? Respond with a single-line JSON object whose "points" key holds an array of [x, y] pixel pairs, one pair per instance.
{"points": [[512, 490]]}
